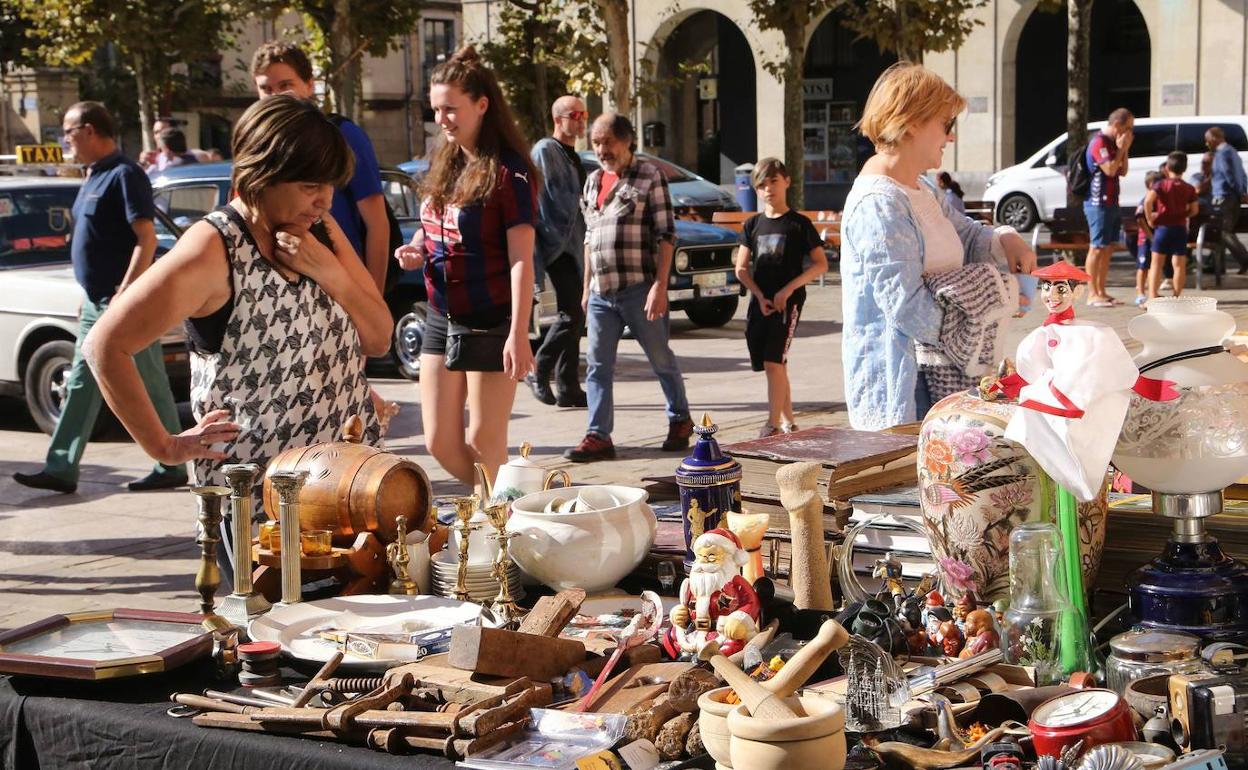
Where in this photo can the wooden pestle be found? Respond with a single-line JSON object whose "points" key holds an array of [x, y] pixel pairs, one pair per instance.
{"points": [[832, 636], [809, 577], [758, 700]]}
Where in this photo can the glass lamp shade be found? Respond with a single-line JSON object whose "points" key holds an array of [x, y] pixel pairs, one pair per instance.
{"points": [[1198, 442]]}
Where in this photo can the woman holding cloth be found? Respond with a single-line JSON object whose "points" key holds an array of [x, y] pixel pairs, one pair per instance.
{"points": [[476, 244], [896, 229], [278, 308]]}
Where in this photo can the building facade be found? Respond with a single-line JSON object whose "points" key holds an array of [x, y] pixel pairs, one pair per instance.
{"points": [[1158, 57]]}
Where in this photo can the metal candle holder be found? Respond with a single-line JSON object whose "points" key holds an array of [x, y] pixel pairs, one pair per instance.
{"points": [[399, 559], [504, 606], [208, 578], [465, 507], [245, 603], [288, 484]]}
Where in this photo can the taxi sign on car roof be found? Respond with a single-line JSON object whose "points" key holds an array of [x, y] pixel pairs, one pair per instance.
{"points": [[40, 153]]}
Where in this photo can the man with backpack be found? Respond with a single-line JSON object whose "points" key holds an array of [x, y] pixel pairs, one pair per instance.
{"points": [[359, 207], [1094, 173]]}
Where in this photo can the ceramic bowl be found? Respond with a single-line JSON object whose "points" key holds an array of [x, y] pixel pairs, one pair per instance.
{"points": [[592, 550], [814, 738]]}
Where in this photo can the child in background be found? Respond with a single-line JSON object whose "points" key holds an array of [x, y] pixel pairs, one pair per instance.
{"points": [[777, 241], [1168, 206], [1144, 243]]}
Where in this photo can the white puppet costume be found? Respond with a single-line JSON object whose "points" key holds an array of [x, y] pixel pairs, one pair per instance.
{"points": [[1073, 381]]}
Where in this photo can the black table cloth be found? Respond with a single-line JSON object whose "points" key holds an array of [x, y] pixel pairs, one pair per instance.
{"points": [[48, 724]]}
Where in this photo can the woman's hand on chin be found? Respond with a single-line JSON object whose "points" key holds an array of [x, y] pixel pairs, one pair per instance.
{"points": [[303, 253]]}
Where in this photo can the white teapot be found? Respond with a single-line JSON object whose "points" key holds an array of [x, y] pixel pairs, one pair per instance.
{"points": [[518, 478]]}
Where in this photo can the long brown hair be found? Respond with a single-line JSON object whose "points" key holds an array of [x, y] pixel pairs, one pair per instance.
{"points": [[452, 177]]}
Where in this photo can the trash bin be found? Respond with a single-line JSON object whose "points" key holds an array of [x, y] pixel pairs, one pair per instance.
{"points": [[747, 198]]}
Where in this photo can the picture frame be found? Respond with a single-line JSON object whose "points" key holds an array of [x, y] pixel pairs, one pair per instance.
{"points": [[108, 644]]}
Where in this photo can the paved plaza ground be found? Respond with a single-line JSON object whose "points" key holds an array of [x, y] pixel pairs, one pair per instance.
{"points": [[104, 547]]}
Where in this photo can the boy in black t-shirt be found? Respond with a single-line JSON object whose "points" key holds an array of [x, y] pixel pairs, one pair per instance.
{"points": [[777, 241]]}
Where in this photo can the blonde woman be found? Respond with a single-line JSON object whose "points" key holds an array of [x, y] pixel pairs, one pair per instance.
{"points": [[897, 227]]}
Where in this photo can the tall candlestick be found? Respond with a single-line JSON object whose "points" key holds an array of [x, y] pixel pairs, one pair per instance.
{"points": [[288, 484], [245, 603], [465, 507], [208, 578]]}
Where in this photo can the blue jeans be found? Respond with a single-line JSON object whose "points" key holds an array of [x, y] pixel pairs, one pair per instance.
{"points": [[608, 314]]}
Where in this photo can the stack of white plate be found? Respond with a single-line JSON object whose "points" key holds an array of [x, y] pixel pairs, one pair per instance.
{"points": [[481, 585]]}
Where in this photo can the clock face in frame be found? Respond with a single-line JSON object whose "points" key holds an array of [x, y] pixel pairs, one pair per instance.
{"points": [[1094, 716]]}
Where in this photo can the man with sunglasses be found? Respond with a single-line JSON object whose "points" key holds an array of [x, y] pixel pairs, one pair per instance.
{"points": [[113, 242], [559, 253]]}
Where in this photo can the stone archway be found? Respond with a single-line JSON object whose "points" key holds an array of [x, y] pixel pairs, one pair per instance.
{"points": [[700, 114], [1120, 71], [839, 71]]}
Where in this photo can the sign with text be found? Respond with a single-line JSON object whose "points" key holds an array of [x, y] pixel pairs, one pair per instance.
{"points": [[817, 89], [40, 153]]}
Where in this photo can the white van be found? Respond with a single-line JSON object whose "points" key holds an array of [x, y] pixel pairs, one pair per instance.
{"points": [[1029, 192]]}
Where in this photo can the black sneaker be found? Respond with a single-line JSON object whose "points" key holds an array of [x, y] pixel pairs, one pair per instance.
{"points": [[541, 389], [46, 481], [572, 399], [592, 447], [678, 435]]}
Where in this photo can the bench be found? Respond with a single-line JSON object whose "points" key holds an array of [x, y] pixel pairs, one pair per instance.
{"points": [[1067, 234], [827, 223], [982, 211]]}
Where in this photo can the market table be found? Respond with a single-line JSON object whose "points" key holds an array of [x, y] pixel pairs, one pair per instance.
{"points": [[48, 724]]}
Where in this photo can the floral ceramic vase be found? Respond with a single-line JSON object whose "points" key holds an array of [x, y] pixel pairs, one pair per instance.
{"points": [[976, 486]]}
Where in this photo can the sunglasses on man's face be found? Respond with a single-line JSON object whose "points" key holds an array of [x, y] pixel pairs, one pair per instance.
{"points": [[579, 115]]}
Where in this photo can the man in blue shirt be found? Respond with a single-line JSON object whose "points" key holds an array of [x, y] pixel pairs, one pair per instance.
{"points": [[114, 241], [359, 207], [1230, 187]]}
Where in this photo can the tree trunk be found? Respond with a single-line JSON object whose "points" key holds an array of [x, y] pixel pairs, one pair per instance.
{"points": [[615, 19], [146, 118], [794, 112], [342, 73], [1078, 43]]}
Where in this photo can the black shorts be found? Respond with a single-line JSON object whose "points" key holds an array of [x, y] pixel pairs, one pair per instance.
{"points": [[768, 337], [433, 339]]}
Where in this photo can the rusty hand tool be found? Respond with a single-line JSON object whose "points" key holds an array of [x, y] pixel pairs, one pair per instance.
{"points": [[212, 704], [326, 671], [245, 700], [340, 719], [393, 740]]}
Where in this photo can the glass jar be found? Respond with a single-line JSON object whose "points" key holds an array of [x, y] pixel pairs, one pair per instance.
{"points": [[1041, 628], [1144, 652]]}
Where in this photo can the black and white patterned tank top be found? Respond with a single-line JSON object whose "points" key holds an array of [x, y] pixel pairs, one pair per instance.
{"points": [[289, 368]]}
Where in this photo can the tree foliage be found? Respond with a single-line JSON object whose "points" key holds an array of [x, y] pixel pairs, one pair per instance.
{"points": [[543, 49], [911, 28], [150, 36]]}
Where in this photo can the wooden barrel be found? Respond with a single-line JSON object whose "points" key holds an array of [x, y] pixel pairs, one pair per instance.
{"points": [[353, 488]]}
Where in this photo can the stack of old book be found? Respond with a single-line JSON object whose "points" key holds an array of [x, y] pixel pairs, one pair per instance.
{"points": [[853, 462]]}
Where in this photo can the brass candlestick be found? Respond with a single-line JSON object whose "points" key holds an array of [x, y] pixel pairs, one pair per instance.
{"points": [[504, 606], [465, 507], [397, 555], [288, 484], [208, 578], [245, 603]]}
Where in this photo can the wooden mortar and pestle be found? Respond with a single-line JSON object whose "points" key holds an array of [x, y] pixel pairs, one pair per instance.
{"points": [[772, 695]]}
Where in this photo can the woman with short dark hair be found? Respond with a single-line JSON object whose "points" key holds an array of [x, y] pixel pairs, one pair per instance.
{"points": [[278, 308]]}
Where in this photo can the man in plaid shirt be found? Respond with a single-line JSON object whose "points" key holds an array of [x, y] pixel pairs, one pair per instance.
{"points": [[629, 241]]}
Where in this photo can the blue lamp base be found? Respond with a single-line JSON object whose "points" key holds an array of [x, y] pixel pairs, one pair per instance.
{"points": [[1193, 587]]}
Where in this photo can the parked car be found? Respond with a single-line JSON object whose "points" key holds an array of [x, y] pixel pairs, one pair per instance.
{"points": [[41, 298], [1028, 193], [189, 192]]}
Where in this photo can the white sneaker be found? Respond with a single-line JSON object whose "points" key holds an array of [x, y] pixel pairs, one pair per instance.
{"points": [[1166, 285], [790, 427], [768, 430]]}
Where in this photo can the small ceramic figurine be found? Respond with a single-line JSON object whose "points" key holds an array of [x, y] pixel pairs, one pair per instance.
{"points": [[966, 604], [716, 602], [931, 600], [888, 569], [981, 633], [950, 638], [937, 617], [1074, 381]]}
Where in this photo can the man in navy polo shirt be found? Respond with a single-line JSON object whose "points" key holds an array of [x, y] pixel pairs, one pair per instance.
{"points": [[113, 242]]}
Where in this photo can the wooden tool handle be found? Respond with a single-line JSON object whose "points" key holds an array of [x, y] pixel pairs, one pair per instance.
{"points": [[831, 637], [758, 700], [211, 704]]}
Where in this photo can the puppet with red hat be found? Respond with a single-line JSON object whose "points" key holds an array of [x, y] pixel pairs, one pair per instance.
{"points": [[716, 603]]}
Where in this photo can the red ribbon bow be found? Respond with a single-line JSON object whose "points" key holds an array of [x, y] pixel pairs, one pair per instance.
{"points": [[1060, 318]]}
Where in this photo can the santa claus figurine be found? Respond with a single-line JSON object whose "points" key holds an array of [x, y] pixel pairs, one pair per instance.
{"points": [[716, 603]]}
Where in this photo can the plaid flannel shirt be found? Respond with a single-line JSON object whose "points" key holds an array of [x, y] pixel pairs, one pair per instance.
{"points": [[622, 238]]}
